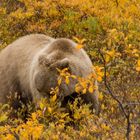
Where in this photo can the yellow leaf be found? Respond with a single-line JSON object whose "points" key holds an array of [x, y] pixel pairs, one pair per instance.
{"points": [[62, 120], [112, 109], [77, 116], [3, 117], [104, 126], [138, 65], [107, 58], [59, 81], [41, 105], [134, 51], [101, 96], [73, 76], [67, 80], [54, 98], [10, 137], [84, 91], [138, 62], [34, 116], [81, 41], [75, 38], [102, 106], [78, 89], [64, 115], [111, 53], [49, 109], [91, 89], [138, 68], [99, 78]]}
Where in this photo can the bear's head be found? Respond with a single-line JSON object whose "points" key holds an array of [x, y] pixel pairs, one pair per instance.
{"points": [[60, 54]]}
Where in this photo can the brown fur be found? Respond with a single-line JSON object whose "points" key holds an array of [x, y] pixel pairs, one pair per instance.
{"points": [[28, 66]]}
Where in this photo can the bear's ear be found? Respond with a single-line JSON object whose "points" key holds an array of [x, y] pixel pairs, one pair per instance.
{"points": [[44, 61], [63, 64], [60, 64]]}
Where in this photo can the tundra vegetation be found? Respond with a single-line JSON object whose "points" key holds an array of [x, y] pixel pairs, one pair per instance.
{"points": [[109, 30]]}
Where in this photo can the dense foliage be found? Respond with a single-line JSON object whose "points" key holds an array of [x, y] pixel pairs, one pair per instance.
{"points": [[109, 30]]}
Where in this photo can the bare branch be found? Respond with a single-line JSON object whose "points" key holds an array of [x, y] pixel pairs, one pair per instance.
{"points": [[127, 115]]}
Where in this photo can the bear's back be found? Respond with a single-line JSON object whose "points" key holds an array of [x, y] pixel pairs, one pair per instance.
{"points": [[15, 62], [21, 52], [28, 44]]}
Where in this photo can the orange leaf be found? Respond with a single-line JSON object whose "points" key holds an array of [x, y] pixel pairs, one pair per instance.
{"points": [[79, 46]]}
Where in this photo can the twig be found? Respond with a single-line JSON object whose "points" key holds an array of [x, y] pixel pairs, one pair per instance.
{"points": [[127, 115]]}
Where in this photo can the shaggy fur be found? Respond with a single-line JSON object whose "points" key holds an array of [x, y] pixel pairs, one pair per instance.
{"points": [[28, 67]]}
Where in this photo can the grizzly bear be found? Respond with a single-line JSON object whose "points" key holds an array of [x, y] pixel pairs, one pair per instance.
{"points": [[28, 67]]}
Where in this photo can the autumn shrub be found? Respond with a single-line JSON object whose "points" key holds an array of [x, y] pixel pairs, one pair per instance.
{"points": [[109, 30]]}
